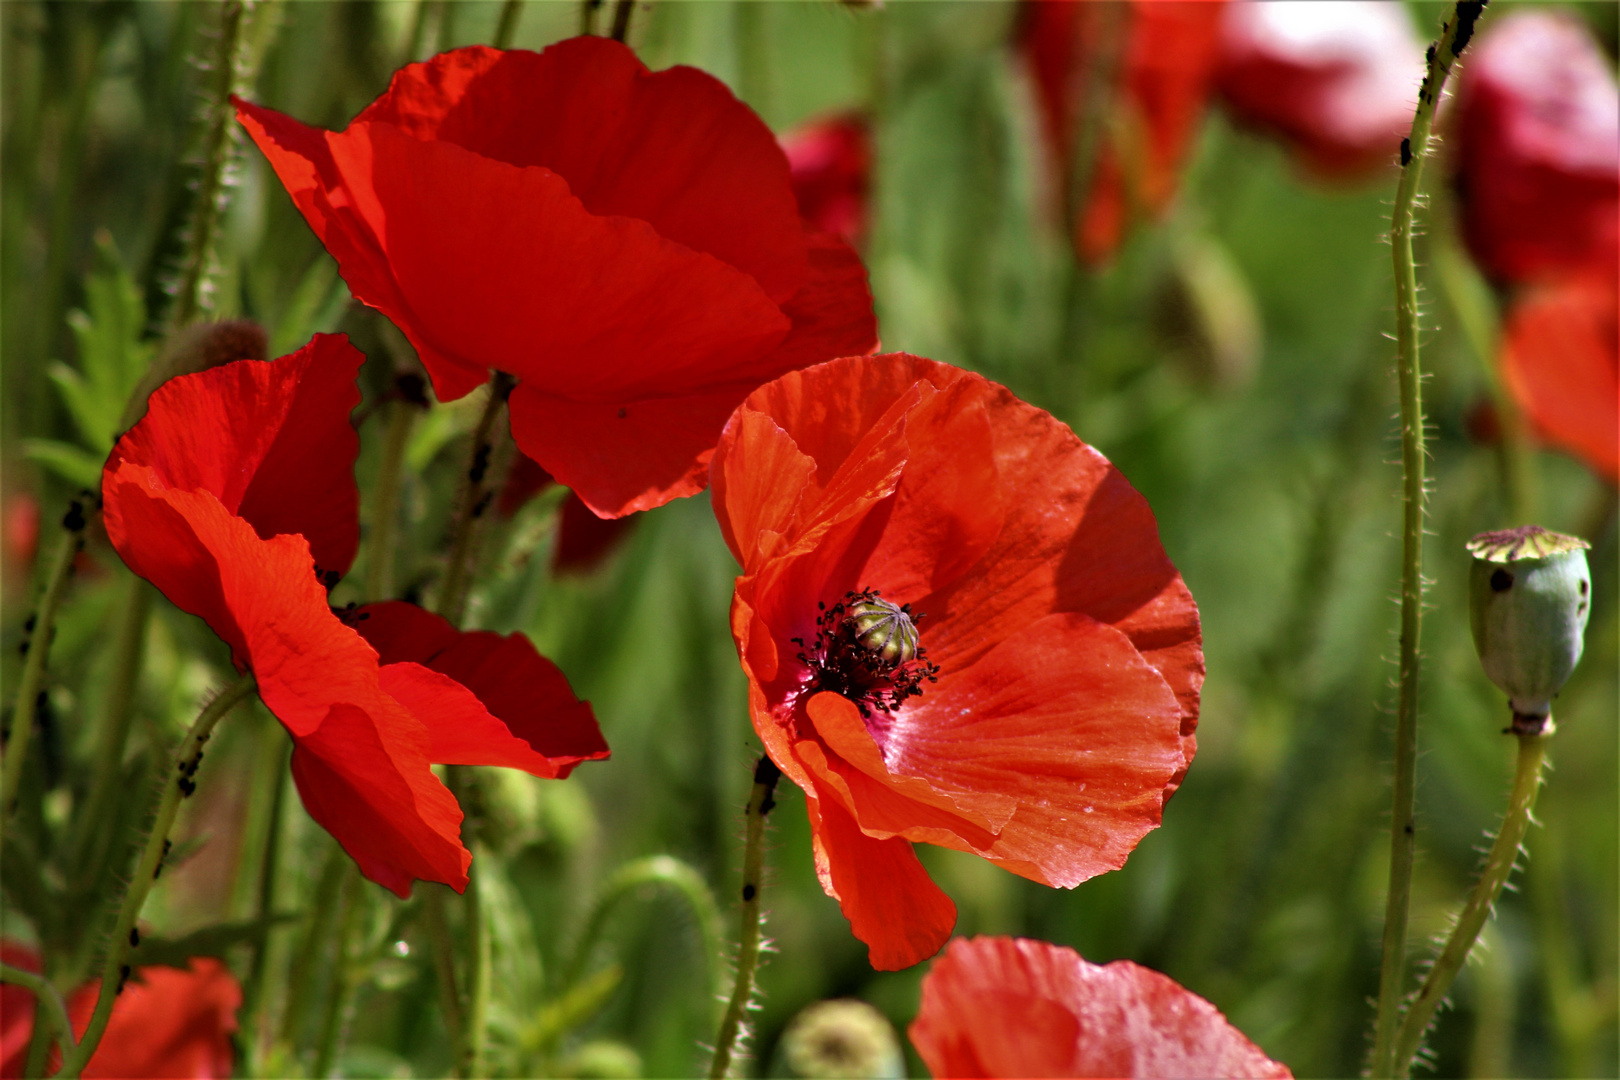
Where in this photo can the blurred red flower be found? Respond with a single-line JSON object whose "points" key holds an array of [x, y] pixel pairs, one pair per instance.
{"points": [[167, 1021], [1536, 141], [584, 540], [831, 164], [996, 1006], [1045, 705], [235, 496], [625, 243], [1155, 62], [1335, 81], [1561, 361]]}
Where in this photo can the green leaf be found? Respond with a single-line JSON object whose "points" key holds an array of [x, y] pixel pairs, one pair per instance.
{"points": [[72, 463], [112, 355]]}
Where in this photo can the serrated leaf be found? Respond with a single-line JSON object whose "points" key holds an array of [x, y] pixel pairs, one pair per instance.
{"points": [[112, 355]]}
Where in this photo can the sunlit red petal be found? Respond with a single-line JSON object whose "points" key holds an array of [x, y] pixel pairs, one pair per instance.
{"points": [[1004, 1007], [1561, 360], [1536, 137], [1336, 81], [271, 441], [891, 903], [534, 721]]}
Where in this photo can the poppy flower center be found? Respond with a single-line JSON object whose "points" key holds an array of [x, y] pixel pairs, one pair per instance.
{"points": [[869, 651]]}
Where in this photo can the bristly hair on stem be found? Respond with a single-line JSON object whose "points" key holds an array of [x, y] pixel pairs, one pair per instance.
{"points": [[1442, 56]]}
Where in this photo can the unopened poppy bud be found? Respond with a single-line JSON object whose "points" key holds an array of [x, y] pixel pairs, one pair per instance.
{"points": [[884, 629], [1529, 598], [842, 1038], [196, 348]]}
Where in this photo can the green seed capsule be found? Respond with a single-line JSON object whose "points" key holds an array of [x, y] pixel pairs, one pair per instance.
{"points": [[1530, 594], [841, 1038], [884, 629]]}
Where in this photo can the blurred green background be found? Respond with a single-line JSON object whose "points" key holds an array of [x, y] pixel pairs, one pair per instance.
{"points": [[1270, 473]]}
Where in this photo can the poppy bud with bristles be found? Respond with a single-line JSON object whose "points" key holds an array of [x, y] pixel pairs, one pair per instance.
{"points": [[884, 629], [1530, 596]]}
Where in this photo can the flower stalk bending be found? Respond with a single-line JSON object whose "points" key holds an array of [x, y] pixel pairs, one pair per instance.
{"points": [[1533, 736], [1414, 151], [760, 803], [177, 785]]}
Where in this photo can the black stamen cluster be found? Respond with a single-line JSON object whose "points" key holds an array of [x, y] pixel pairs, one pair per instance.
{"points": [[840, 662]]}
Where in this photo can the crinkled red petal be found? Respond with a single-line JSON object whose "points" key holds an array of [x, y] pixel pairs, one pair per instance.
{"points": [[1005, 1007], [166, 1022]]}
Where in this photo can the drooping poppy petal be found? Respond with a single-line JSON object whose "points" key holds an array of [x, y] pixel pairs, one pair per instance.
{"points": [[167, 1021], [625, 243], [1011, 1007], [1335, 80], [1561, 361], [1060, 659], [831, 163], [1536, 143], [1162, 56], [271, 441], [534, 721]]}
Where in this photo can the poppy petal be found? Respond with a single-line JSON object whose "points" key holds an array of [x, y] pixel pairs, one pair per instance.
{"points": [[673, 148], [544, 728], [889, 899], [166, 1022], [271, 441], [831, 314], [365, 779], [996, 1007]]}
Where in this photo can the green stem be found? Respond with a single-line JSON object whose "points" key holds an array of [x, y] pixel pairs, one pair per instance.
{"points": [[1498, 865], [436, 919], [335, 1018], [760, 802], [511, 11], [477, 490], [30, 685], [301, 980], [178, 785], [385, 501], [662, 870], [191, 299], [622, 11], [106, 786], [49, 1003], [252, 1010], [1403, 828], [478, 977]]}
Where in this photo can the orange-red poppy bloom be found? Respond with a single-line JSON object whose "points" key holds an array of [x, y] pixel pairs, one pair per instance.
{"points": [[1154, 62], [626, 243], [1336, 82], [1561, 361], [167, 1021], [831, 163], [958, 627], [1536, 143], [996, 1006], [235, 496]]}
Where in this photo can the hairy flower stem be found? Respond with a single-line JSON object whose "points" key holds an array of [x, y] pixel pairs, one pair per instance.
{"points": [[1403, 827], [631, 879], [49, 1004], [253, 1012], [1498, 865], [760, 803], [30, 684], [478, 977], [477, 492], [437, 923], [622, 10], [228, 71], [177, 785]]}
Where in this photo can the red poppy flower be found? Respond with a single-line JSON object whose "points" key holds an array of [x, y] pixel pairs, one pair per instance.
{"points": [[831, 163], [1047, 708], [625, 243], [166, 1022], [1537, 144], [1162, 54], [584, 540], [235, 496], [996, 1006], [1561, 361], [1337, 82]]}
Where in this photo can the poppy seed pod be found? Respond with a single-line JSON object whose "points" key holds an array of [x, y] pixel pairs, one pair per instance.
{"points": [[1529, 599], [885, 629]]}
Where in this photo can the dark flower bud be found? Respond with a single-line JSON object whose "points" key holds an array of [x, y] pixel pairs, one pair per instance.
{"points": [[1530, 595]]}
